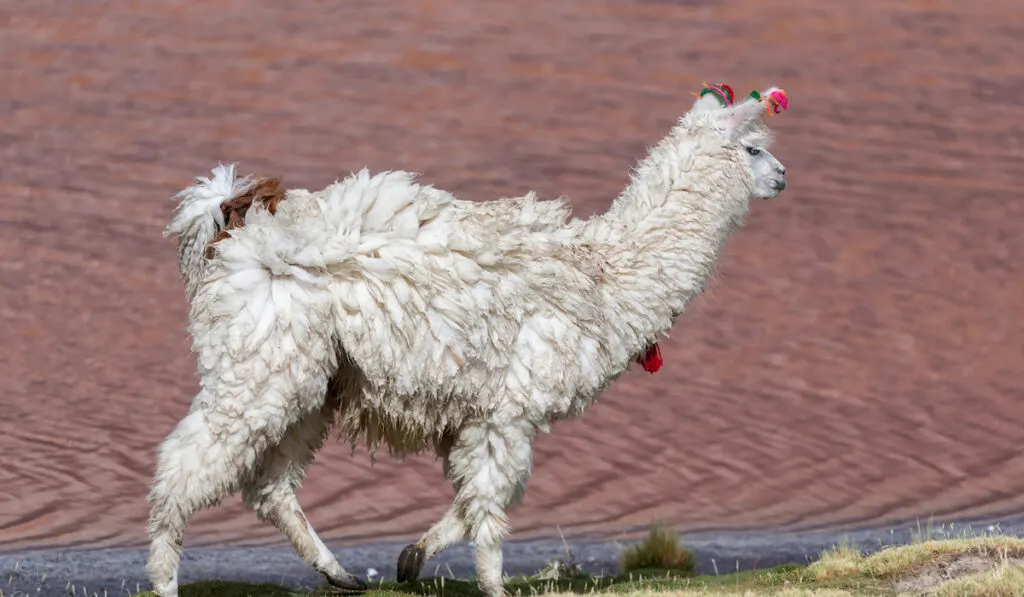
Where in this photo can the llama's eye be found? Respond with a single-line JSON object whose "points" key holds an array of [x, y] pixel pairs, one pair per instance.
{"points": [[753, 150]]}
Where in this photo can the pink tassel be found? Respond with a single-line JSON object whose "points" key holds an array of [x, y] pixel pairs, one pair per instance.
{"points": [[777, 101]]}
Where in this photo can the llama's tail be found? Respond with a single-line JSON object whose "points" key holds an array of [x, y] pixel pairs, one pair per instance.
{"points": [[198, 218]]}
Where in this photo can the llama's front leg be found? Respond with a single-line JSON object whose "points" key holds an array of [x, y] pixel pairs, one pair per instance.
{"points": [[492, 462], [272, 495], [450, 529]]}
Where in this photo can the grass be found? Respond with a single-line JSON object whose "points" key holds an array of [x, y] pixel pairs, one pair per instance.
{"points": [[893, 562], [659, 550], [780, 581], [984, 565]]}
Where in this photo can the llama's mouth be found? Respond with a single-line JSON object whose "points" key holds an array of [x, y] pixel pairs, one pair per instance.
{"points": [[777, 186]]}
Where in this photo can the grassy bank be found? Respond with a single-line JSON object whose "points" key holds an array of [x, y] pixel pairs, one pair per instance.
{"points": [[991, 565]]}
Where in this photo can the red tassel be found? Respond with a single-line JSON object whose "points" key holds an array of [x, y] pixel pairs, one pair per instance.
{"points": [[652, 360]]}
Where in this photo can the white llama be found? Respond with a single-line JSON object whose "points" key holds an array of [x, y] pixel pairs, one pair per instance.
{"points": [[404, 317]]}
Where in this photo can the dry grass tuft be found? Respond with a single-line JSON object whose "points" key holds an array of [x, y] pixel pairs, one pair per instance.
{"points": [[999, 582], [660, 550], [840, 562], [894, 562], [985, 565]]}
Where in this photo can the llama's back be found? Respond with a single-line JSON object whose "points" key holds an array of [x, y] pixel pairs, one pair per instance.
{"points": [[447, 305]]}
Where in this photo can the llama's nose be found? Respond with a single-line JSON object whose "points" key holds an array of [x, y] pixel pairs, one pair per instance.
{"points": [[781, 170]]}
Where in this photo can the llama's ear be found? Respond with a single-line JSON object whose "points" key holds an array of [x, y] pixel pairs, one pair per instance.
{"points": [[736, 120]]}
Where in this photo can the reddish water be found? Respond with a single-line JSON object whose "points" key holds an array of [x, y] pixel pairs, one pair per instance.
{"points": [[859, 359]]}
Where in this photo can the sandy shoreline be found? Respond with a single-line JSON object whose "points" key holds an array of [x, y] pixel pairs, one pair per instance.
{"points": [[122, 571]]}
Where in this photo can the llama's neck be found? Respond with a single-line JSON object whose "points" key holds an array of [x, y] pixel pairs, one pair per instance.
{"points": [[662, 235]]}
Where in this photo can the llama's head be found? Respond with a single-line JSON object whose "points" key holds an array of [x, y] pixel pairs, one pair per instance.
{"points": [[740, 128]]}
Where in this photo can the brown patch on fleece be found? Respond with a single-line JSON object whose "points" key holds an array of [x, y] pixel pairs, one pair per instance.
{"points": [[265, 191]]}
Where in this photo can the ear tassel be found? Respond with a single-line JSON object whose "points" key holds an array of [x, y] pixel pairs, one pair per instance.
{"points": [[775, 102], [722, 92]]}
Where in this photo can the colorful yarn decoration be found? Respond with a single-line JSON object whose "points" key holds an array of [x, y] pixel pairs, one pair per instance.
{"points": [[651, 359], [722, 92], [775, 103]]}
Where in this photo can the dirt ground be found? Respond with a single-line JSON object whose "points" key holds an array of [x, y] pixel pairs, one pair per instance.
{"points": [[858, 359]]}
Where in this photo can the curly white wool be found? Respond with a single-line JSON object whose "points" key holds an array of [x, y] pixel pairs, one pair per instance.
{"points": [[406, 318]]}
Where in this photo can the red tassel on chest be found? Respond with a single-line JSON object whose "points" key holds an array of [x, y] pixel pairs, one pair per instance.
{"points": [[651, 360]]}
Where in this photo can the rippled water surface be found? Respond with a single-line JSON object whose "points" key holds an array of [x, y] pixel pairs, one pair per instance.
{"points": [[857, 360]]}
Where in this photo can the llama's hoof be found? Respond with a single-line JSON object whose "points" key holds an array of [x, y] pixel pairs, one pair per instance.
{"points": [[348, 583], [410, 561]]}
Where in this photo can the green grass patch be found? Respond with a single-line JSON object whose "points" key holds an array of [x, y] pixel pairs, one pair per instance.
{"points": [[964, 565], [783, 580]]}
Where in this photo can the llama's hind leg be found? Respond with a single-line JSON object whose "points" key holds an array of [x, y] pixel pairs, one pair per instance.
{"points": [[196, 469], [271, 494]]}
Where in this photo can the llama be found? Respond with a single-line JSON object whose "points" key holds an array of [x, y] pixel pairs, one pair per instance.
{"points": [[405, 318]]}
